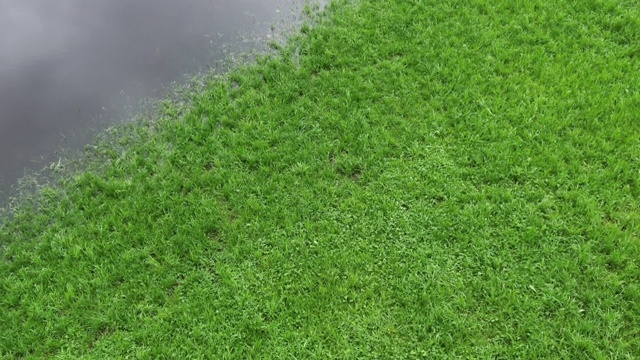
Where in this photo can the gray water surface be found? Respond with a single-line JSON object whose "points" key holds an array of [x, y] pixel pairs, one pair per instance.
{"points": [[71, 67]]}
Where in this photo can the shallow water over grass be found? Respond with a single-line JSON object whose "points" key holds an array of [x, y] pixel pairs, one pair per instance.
{"points": [[70, 67]]}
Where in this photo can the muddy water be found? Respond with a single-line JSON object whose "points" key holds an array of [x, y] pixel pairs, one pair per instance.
{"points": [[70, 67]]}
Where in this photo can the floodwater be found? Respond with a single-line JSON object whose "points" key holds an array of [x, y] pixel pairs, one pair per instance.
{"points": [[69, 68]]}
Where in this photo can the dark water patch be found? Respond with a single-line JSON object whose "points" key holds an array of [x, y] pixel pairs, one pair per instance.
{"points": [[69, 68]]}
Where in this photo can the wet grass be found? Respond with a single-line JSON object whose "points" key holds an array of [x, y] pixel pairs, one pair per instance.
{"points": [[407, 179]]}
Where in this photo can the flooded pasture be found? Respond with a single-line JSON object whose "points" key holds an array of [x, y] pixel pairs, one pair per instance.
{"points": [[69, 68]]}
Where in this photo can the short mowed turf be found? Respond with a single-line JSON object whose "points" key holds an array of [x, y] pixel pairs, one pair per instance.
{"points": [[403, 179]]}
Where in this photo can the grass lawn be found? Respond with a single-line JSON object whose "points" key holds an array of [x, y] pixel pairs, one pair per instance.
{"points": [[406, 179]]}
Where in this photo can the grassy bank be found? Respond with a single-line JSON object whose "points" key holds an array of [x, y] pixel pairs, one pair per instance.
{"points": [[408, 179]]}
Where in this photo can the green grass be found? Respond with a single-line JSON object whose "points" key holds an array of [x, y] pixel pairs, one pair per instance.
{"points": [[406, 179]]}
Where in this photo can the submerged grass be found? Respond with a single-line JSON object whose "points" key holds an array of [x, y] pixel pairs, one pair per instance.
{"points": [[407, 179]]}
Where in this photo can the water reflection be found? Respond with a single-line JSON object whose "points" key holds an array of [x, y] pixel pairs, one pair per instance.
{"points": [[69, 66]]}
